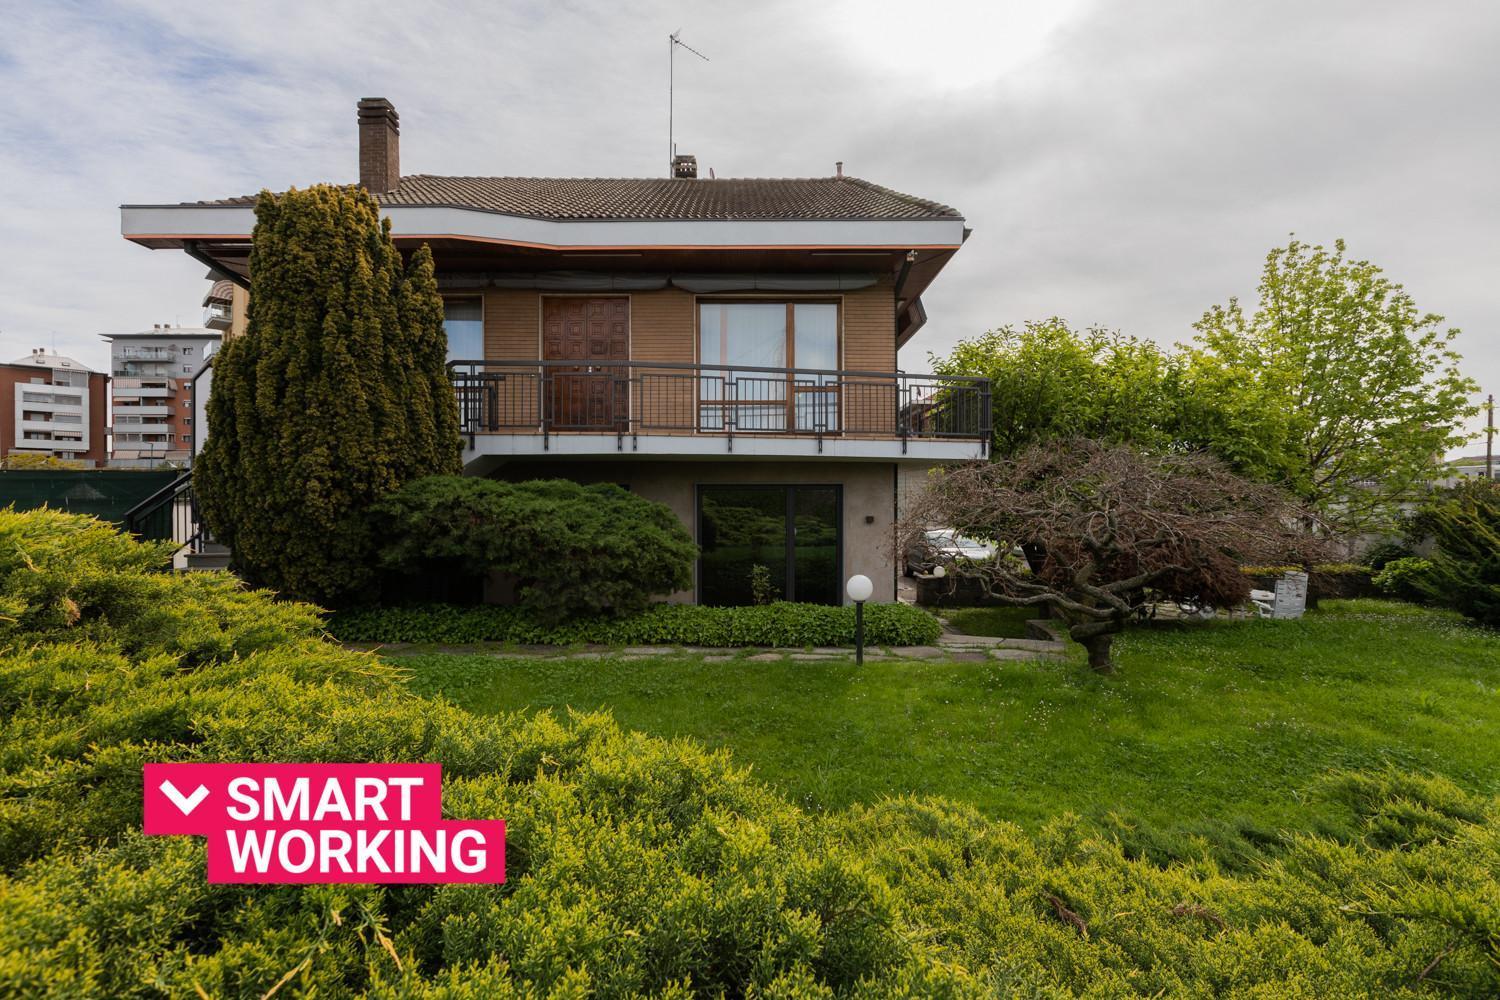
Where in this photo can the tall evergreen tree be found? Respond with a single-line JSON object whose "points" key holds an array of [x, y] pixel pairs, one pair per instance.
{"points": [[335, 395]]}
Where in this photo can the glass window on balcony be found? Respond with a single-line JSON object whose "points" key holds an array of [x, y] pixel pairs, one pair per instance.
{"points": [[802, 335], [815, 336], [753, 334], [463, 322]]}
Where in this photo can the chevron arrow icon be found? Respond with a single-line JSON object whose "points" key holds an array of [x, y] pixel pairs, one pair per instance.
{"points": [[186, 803]]}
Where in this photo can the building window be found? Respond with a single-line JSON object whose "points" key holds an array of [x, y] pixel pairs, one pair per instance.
{"points": [[802, 335], [187, 352], [187, 369], [794, 532], [463, 322]]}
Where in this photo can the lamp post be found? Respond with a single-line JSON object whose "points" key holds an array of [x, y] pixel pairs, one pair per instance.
{"points": [[859, 590]]}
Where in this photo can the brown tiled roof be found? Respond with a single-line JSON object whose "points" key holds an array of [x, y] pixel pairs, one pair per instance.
{"points": [[665, 198]]}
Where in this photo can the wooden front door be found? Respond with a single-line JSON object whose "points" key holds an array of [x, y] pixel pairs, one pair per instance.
{"points": [[590, 394]]}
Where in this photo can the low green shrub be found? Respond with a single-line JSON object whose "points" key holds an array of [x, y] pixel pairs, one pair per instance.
{"points": [[782, 623], [1377, 555], [1403, 577], [635, 865], [571, 549], [1463, 571], [1328, 569]]}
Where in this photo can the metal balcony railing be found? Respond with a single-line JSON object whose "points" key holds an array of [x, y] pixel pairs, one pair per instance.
{"points": [[634, 398]]}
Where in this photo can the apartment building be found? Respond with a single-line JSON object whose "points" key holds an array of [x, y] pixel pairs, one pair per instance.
{"points": [[57, 408], [152, 406]]}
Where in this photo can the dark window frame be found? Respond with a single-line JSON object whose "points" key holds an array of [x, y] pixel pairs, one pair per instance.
{"points": [[790, 538]]}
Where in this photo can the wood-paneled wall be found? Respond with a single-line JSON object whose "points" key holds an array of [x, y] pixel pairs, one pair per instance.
{"points": [[663, 328]]}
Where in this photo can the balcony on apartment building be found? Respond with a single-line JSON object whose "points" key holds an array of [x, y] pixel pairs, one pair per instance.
{"points": [[121, 391], [217, 315], [48, 401], [136, 425], [679, 410]]}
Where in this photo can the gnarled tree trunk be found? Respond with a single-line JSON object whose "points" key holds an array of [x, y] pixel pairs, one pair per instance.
{"points": [[1098, 638]]}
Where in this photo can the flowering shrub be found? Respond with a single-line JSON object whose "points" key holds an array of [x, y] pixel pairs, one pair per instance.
{"points": [[635, 865]]}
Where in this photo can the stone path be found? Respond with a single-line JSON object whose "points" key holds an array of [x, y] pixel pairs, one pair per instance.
{"points": [[951, 646], [1044, 642]]}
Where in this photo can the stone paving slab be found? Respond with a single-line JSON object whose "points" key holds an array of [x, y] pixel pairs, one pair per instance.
{"points": [[958, 639], [1034, 645]]}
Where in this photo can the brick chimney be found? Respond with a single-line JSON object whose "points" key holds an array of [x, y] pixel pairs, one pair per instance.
{"points": [[379, 145]]}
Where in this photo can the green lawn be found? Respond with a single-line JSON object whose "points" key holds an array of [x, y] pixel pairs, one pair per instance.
{"points": [[1010, 622], [1219, 729]]}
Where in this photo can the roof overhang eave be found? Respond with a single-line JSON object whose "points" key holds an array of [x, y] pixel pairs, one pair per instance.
{"points": [[178, 226]]}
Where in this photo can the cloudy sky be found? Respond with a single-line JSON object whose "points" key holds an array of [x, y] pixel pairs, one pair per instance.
{"points": [[1120, 164]]}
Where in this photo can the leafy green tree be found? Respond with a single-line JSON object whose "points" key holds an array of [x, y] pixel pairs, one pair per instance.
{"points": [[1362, 388], [1052, 383], [335, 395], [1049, 382]]}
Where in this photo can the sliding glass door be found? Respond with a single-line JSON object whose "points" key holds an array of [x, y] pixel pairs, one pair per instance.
{"points": [[769, 543]]}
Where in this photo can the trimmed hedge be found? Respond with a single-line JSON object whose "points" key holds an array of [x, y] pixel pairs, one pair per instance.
{"points": [[570, 549], [780, 624], [636, 866]]}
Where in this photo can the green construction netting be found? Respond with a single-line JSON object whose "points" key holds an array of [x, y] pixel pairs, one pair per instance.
{"points": [[105, 493]]}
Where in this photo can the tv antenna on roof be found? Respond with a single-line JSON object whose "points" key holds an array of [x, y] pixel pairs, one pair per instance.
{"points": [[672, 42]]}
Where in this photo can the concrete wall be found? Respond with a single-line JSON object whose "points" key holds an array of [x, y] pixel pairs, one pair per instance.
{"points": [[868, 499]]}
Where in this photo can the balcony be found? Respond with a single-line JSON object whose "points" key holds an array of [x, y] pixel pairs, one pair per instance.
{"points": [[679, 410], [217, 315]]}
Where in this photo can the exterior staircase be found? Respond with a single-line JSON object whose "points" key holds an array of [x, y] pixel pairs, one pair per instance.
{"points": [[171, 514]]}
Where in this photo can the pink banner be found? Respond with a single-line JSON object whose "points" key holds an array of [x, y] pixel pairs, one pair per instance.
{"points": [[300, 823], [434, 851]]}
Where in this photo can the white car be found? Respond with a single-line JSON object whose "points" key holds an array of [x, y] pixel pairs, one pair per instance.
{"points": [[943, 546]]}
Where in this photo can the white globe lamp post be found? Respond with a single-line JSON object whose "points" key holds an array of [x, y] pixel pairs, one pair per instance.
{"points": [[859, 589]]}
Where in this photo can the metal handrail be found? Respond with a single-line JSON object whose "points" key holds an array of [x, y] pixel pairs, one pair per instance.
{"points": [[169, 514], [700, 366], [632, 397]]}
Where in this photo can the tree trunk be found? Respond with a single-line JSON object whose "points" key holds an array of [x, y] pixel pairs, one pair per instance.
{"points": [[1097, 637], [1098, 647]]}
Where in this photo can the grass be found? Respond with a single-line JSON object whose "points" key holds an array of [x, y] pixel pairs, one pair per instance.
{"points": [[1219, 730], [1002, 621]]}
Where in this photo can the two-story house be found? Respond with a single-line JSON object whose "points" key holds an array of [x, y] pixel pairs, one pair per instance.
{"points": [[724, 346]]}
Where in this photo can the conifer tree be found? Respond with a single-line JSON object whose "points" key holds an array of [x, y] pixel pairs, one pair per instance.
{"points": [[335, 395]]}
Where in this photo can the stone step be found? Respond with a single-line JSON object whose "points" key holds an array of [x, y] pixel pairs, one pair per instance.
{"points": [[212, 557]]}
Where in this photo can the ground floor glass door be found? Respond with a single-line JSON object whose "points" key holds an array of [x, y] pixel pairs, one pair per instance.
{"points": [[769, 542]]}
